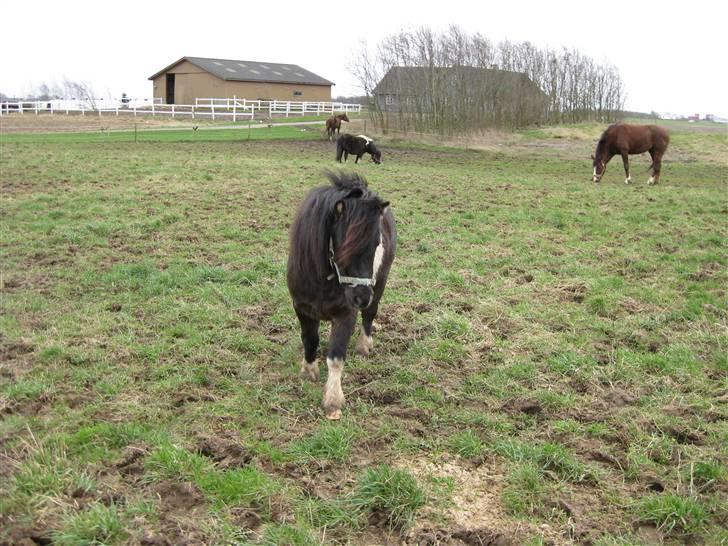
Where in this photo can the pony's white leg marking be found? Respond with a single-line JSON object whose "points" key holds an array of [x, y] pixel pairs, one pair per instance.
{"points": [[310, 370], [651, 180], [628, 179], [333, 395], [364, 344]]}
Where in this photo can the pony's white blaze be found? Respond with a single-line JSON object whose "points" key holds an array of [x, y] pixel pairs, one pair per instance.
{"points": [[333, 395], [378, 257]]}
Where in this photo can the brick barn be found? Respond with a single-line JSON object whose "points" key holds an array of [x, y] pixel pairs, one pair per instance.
{"points": [[196, 77]]}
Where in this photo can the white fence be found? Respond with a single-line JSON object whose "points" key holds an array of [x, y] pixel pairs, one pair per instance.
{"points": [[232, 109], [279, 107]]}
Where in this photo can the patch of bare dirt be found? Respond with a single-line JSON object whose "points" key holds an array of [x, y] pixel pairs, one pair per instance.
{"points": [[476, 512], [706, 272], [527, 406], [575, 291], [180, 507], [226, 450]]}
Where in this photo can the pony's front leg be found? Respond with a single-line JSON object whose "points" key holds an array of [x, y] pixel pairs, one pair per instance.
{"points": [[310, 338], [625, 160], [341, 330], [365, 343]]}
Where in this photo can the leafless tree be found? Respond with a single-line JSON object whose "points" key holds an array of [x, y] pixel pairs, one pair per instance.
{"points": [[454, 81]]}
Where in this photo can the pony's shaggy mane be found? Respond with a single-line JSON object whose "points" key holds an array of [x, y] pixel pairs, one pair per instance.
{"points": [[312, 228]]}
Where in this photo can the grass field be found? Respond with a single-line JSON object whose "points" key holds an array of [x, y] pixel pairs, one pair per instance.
{"points": [[549, 365]]}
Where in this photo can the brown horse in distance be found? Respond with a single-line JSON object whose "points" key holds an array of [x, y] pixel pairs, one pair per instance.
{"points": [[626, 140], [333, 124]]}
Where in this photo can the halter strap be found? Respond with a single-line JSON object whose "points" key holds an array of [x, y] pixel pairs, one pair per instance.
{"points": [[351, 281]]}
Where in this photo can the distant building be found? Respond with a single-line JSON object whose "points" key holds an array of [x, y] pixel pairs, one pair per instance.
{"points": [[196, 77], [410, 89], [694, 117], [709, 117]]}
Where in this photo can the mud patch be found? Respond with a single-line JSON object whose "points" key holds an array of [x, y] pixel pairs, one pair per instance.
{"points": [[527, 406], [226, 450]]}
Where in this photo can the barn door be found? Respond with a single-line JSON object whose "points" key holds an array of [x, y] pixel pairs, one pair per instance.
{"points": [[170, 88]]}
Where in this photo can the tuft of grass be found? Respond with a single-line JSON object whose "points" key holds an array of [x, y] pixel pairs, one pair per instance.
{"points": [[548, 457], [97, 525], [330, 442], [466, 444], [526, 491], [673, 513], [394, 494]]}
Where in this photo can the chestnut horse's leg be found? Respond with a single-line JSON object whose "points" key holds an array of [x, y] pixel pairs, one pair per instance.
{"points": [[341, 330], [656, 164], [625, 160], [656, 168], [310, 338]]}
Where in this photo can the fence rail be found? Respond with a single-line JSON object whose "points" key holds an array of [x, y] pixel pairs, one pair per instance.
{"points": [[213, 108]]}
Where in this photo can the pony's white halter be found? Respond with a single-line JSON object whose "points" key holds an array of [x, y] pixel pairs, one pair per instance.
{"points": [[351, 281]]}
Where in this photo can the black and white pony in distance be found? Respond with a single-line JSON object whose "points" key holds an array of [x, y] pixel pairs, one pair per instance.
{"points": [[358, 146], [342, 245]]}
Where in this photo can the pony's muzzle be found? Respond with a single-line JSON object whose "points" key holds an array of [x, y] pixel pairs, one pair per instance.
{"points": [[362, 296]]}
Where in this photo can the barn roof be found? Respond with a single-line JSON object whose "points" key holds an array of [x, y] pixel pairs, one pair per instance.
{"points": [[252, 71]]}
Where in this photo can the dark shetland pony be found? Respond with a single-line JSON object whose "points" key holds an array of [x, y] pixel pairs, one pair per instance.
{"points": [[626, 140], [342, 247], [358, 146], [333, 125]]}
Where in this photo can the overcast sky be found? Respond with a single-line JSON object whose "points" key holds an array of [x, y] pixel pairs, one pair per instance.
{"points": [[672, 55]]}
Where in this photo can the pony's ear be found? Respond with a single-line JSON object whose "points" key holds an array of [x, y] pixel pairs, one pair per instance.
{"points": [[383, 206], [339, 207], [355, 193]]}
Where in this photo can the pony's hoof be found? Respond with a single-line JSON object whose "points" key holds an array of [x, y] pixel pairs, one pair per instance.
{"points": [[334, 415], [364, 345], [309, 370]]}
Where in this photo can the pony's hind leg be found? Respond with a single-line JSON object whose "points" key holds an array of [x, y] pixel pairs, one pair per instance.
{"points": [[341, 330], [365, 343], [310, 338]]}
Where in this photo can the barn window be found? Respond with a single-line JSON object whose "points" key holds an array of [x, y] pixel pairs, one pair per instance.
{"points": [[388, 99], [298, 93]]}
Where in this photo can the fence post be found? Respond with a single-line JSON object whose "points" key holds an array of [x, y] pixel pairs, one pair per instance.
{"points": [[134, 110], [212, 105], [235, 110], [152, 108], [288, 108], [193, 110]]}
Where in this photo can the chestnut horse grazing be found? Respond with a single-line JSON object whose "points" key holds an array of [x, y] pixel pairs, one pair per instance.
{"points": [[626, 140], [333, 124], [342, 247]]}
